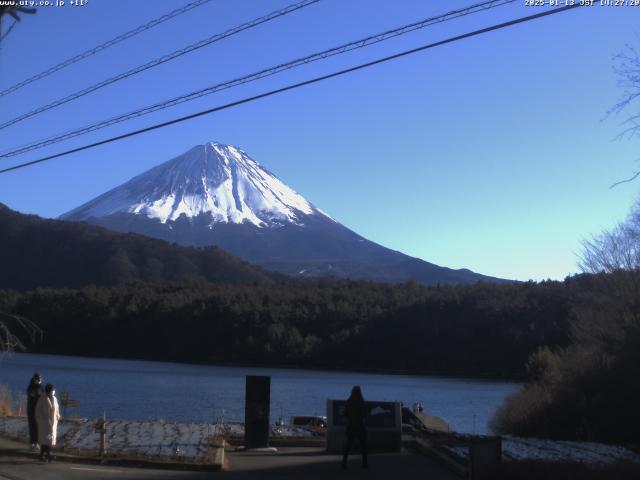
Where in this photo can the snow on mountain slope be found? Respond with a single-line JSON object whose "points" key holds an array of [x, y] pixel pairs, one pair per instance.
{"points": [[217, 179], [216, 194]]}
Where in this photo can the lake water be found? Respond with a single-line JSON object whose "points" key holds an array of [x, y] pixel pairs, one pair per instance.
{"points": [[141, 390]]}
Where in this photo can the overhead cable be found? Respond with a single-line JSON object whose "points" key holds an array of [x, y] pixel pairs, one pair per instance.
{"points": [[163, 59], [297, 85], [104, 46], [361, 43]]}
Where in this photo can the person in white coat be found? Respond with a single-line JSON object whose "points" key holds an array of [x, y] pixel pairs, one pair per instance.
{"points": [[47, 416]]}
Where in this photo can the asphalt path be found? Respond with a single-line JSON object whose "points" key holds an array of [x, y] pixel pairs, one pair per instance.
{"points": [[16, 463]]}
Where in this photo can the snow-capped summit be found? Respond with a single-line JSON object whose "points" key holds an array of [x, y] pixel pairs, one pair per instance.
{"points": [[215, 179], [216, 194]]}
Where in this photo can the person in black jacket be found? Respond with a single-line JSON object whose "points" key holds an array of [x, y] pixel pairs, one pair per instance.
{"points": [[34, 390], [356, 412]]}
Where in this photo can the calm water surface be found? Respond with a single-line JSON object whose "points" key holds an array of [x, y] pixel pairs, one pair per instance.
{"points": [[141, 390]]}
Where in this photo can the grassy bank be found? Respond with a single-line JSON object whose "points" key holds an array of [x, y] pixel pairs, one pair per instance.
{"points": [[7, 403]]}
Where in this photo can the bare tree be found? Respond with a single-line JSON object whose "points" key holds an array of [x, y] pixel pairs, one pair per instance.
{"points": [[616, 249], [627, 68], [9, 323], [610, 320], [13, 11]]}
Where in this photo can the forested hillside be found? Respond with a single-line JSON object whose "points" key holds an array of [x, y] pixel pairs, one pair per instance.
{"points": [[35, 252], [482, 329]]}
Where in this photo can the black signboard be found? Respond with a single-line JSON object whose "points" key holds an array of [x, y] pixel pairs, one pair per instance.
{"points": [[256, 411], [379, 414]]}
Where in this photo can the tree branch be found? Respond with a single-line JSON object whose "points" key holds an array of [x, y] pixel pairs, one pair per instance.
{"points": [[9, 341]]}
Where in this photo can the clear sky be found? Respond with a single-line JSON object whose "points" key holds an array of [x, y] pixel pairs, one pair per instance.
{"points": [[491, 153]]}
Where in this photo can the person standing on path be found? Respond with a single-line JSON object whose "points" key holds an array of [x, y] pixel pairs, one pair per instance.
{"points": [[356, 412], [34, 390], [47, 416]]}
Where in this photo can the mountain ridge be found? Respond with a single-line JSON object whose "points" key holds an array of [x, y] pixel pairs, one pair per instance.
{"points": [[215, 194]]}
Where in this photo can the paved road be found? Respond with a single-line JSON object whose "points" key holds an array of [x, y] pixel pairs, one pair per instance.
{"points": [[287, 463]]}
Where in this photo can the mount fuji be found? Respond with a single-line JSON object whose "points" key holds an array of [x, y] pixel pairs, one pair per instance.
{"points": [[216, 194]]}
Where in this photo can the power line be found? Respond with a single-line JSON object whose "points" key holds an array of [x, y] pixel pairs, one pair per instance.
{"points": [[163, 59], [105, 45], [361, 43], [4, 35], [298, 85]]}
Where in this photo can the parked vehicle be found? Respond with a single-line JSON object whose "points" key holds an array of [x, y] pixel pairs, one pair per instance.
{"points": [[316, 423]]}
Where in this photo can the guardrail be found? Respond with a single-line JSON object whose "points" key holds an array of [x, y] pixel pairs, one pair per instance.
{"points": [[475, 457]]}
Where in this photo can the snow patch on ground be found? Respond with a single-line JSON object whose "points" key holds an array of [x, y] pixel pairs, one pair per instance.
{"points": [[519, 448], [156, 439], [148, 439], [17, 428]]}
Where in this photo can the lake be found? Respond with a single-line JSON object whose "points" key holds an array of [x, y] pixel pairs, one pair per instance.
{"points": [[143, 390]]}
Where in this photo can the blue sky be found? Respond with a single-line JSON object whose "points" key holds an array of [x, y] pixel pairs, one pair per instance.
{"points": [[492, 153]]}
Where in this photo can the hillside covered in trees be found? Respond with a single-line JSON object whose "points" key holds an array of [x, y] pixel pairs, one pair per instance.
{"points": [[482, 329], [35, 252]]}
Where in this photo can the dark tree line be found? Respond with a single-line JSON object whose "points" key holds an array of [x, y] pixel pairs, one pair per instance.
{"points": [[590, 389], [35, 252], [482, 329]]}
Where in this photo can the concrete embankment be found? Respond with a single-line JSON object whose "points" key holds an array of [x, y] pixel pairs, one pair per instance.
{"points": [[153, 445], [152, 442], [202, 446], [193, 444]]}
